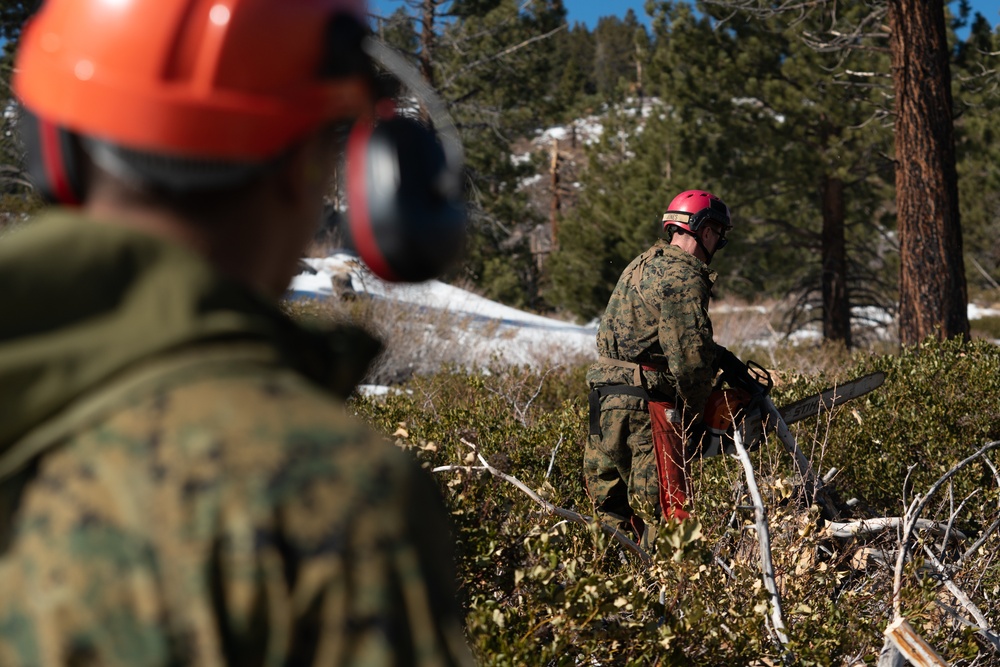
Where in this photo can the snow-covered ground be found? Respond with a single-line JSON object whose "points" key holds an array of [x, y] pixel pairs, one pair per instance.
{"points": [[487, 329]]}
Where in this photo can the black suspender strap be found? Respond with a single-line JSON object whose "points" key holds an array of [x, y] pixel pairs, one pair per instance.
{"points": [[597, 393]]}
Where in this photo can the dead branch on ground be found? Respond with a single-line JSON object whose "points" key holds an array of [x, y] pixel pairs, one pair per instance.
{"points": [[550, 508]]}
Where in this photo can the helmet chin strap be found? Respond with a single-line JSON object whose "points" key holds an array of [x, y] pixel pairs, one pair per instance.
{"points": [[698, 242]]}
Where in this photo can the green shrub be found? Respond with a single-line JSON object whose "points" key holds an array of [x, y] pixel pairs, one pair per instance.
{"points": [[538, 590], [940, 402], [986, 327]]}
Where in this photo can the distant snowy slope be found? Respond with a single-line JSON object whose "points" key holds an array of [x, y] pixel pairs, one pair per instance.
{"points": [[481, 328]]}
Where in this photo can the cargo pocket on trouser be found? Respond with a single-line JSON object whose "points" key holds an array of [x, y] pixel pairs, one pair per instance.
{"points": [[668, 445], [607, 462]]}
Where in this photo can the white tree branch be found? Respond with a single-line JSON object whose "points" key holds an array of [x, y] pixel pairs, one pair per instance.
{"points": [[764, 537], [913, 515], [862, 527], [984, 627]]}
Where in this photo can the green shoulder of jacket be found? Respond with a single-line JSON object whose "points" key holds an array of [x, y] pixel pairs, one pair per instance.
{"points": [[234, 516]]}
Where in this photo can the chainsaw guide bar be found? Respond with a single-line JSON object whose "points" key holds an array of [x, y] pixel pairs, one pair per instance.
{"points": [[830, 398]]}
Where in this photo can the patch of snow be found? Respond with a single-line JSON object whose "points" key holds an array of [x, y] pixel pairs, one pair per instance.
{"points": [[529, 181], [805, 336], [872, 314], [588, 132], [484, 328], [481, 329], [978, 312], [558, 133], [728, 309], [380, 390]]}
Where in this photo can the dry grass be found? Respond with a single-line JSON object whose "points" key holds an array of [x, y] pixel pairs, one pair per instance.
{"points": [[422, 341], [754, 331]]}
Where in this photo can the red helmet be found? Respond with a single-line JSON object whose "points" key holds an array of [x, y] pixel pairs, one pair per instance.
{"points": [[235, 80], [692, 208]]}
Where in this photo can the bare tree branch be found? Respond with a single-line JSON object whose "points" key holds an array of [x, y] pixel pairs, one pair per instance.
{"points": [[497, 56], [865, 527], [764, 538], [913, 515], [575, 517], [984, 627]]}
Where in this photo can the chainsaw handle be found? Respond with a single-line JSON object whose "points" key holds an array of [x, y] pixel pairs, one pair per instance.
{"points": [[760, 376], [749, 376]]}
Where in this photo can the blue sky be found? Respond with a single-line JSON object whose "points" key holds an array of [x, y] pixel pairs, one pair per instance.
{"points": [[588, 11]]}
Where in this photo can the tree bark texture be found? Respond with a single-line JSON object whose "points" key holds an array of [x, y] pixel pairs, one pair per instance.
{"points": [[933, 297], [428, 43], [556, 207], [836, 300]]}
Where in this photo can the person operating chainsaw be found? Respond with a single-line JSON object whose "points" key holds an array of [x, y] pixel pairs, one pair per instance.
{"points": [[656, 368], [180, 480]]}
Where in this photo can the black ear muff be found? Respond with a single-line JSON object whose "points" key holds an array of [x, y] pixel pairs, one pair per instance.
{"points": [[54, 159], [407, 218]]}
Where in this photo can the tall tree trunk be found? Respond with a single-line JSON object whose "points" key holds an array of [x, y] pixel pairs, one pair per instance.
{"points": [[933, 297], [427, 44], [836, 301], [556, 207]]}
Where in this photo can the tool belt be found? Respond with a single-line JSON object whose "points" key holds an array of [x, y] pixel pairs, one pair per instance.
{"points": [[636, 368], [634, 389]]}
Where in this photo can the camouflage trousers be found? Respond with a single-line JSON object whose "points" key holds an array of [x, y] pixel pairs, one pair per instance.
{"points": [[621, 471]]}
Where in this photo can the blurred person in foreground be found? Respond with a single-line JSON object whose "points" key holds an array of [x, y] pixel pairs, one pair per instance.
{"points": [[656, 368], [180, 483]]}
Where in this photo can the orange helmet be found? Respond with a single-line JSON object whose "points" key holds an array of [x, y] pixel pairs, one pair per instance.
{"points": [[231, 80]]}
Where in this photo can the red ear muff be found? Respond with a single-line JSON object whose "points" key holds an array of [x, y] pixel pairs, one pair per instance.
{"points": [[53, 159], [407, 220]]}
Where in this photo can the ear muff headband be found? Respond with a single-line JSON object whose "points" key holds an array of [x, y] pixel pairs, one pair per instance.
{"points": [[450, 180], [407, 219]]}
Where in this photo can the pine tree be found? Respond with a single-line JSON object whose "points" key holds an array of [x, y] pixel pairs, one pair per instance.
{"points": [[754, 116], [16, 194], [615, 54], [617, 216], [574, 82], [933, 297], [398, 31], [977, 134], [494, 68], [932, 283]]}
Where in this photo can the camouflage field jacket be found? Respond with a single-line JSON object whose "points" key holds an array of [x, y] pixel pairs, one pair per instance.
{"points": [[228, 511], [658, 316]]}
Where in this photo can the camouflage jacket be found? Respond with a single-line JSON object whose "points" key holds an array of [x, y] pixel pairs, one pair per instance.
{"points": [[215, 504], [658, 316]]}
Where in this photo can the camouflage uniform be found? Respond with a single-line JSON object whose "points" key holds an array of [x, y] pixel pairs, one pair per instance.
{"points": [[658, 317], [205, 499]]}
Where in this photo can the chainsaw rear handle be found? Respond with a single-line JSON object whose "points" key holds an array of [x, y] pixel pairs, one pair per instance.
{"points": [[749, 376]]}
